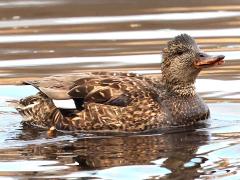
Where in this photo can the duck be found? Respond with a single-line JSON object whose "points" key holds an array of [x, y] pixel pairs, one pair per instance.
{"points": [[121, 101]]}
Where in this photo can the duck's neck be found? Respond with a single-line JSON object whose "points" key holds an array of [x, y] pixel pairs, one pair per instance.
{"points": [[178, 84], [181, 90], [177, 88]]}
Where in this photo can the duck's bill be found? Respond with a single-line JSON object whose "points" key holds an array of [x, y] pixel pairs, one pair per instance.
{"points": [[209, 61]]}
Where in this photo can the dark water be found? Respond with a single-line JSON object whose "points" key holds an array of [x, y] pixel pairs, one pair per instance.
{"points": [[44, 37]]}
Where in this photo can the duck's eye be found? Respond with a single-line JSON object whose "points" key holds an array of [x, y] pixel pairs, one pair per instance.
{"points": [[179, 53]]}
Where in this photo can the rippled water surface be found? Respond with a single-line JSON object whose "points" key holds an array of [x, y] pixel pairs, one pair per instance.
{"points": [[45, 37]]}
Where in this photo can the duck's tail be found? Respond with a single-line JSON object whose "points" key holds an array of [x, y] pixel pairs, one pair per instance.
{"points": [[39, 110]]}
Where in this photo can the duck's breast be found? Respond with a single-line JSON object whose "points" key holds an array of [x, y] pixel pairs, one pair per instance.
{"points": [[186, 110]]}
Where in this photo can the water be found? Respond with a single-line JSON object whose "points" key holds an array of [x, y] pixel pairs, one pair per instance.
{"points": [[45, 37]]}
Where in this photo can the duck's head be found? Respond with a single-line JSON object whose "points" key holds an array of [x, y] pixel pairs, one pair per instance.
{"points": [[183, 60]]}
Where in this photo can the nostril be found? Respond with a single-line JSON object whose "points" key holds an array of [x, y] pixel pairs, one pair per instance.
{"points": [[201, 55], [221, 57]]}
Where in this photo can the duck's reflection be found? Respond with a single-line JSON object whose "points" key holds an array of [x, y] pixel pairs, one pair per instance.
{"points": [[172, 150]]}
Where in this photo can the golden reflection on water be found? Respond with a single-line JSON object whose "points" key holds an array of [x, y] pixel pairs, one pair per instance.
{"points": [[40, 38]]}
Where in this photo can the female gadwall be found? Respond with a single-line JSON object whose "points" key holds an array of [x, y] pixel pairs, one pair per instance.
{"points": [[124, 102]]}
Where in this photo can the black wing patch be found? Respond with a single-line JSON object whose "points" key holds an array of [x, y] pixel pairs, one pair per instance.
{"points": [[123, 100]]}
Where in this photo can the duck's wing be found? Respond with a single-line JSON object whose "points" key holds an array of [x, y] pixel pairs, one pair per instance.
{"points": [[114, 102], [112, 89], [55, 87], [58, 87]]}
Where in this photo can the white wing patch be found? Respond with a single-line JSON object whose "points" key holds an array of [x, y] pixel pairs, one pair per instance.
{"points": [[65, 104]]}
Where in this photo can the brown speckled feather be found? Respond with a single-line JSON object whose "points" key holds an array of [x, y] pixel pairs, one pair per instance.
{"points": [[111, 101]]}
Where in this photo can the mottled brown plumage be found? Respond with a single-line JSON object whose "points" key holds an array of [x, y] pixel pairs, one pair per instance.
{"points": [[123, 101]]}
